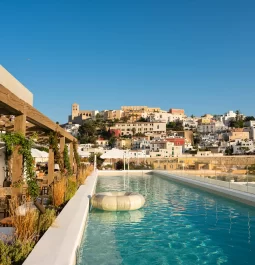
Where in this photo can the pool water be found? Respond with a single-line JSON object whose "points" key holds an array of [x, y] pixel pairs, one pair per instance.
{"points": [[177, 225]]}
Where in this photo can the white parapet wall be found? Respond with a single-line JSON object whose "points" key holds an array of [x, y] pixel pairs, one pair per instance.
{"points": [[237, 195], [11, 83], [60, 243]]}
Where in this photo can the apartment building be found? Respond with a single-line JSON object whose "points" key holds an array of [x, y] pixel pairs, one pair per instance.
{"points": [[163, 148], [211, 127], [242, 146], [141, 127], [123, 143], [113, 114], [250, 127], [134, 113], [163, 117], [102, 142], [140, 143], [237, 134]]}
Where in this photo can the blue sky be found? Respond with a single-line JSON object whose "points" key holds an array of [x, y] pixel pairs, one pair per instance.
{"points": [[198, 54]]}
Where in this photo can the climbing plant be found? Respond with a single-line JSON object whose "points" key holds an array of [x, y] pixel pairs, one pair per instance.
{"points": [[67, 161], [76, 155], [42, 148], [13, 140], [53, 144]]}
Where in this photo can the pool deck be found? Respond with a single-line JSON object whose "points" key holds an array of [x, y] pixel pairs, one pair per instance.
{"points": [[244, 197], [59, 245]]}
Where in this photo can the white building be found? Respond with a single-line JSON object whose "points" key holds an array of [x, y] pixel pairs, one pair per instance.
{"points": [[163, 148], [250, 127], [211, 127], [140, 143], [73, 129], [163, 116], [242, 146], [102, 143], [94, 114], [227, 117], [190, 123]]}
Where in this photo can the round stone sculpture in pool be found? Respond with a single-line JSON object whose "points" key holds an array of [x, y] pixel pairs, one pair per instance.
{"points": [[117, 201]]}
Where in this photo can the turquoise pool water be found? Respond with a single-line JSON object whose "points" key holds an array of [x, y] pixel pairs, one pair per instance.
{"points": [[178, 225]]}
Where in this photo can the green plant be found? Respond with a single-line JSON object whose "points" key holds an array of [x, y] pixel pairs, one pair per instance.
{"points": [[15, 252], [76, 155], [47, 219], [99, 160], [119, 165], [71, 189], [53, 144], [43, 148], [18, 140], [67, 161]]}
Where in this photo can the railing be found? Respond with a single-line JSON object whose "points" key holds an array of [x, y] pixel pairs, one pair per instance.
{"points": [[243, 183], [231, 172]]}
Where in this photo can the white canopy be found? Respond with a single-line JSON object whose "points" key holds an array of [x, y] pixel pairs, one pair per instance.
{"points": [[37, 153], [113, 153], [44, 154]]}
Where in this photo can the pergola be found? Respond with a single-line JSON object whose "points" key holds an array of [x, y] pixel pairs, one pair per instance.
{"points": [[27, 121]]}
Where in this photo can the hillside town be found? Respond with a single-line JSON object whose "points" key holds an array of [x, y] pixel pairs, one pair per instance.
{"points": [[150, 132]]}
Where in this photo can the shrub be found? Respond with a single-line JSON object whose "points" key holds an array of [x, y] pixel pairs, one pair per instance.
{"points": [[84, 173], [119, 165], [46, 220], [25, 226], [15, 253], [71, 188]]}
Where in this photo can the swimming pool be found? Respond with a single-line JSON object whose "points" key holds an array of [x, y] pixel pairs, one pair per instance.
{"points": [[178, 225]]}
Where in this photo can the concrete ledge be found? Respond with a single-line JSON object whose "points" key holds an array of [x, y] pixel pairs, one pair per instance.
{"points": [[59, 244], [236, 195]]}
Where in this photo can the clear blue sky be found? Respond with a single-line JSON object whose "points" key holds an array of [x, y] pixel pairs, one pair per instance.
{"points": [[193, 54]]}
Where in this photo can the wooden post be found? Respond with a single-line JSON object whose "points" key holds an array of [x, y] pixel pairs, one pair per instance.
{"points": [[71, 155], [17, 165], [50, 167]]}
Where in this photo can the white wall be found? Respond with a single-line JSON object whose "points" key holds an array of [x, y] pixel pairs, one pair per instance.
{"points": [[11, 83]]}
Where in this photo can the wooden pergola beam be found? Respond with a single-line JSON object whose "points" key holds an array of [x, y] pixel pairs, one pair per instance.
{"points": [[16, 106]]}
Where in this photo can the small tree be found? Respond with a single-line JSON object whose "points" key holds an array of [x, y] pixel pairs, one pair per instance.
{"points": [[99, 160], [119, 165]]}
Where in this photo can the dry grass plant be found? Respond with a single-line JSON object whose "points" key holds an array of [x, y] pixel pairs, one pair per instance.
{"points": [[59, 190], [84, 173], [25, 225]]}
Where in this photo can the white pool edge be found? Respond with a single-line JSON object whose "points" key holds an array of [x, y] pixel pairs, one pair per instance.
{"points": [[60, 243], [236, 195]]}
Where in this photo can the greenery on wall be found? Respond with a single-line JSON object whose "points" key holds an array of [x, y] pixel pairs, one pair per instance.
{"points": [[67, 165], [42, 148], [76, 155], [53, 144], [13, 140]]}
